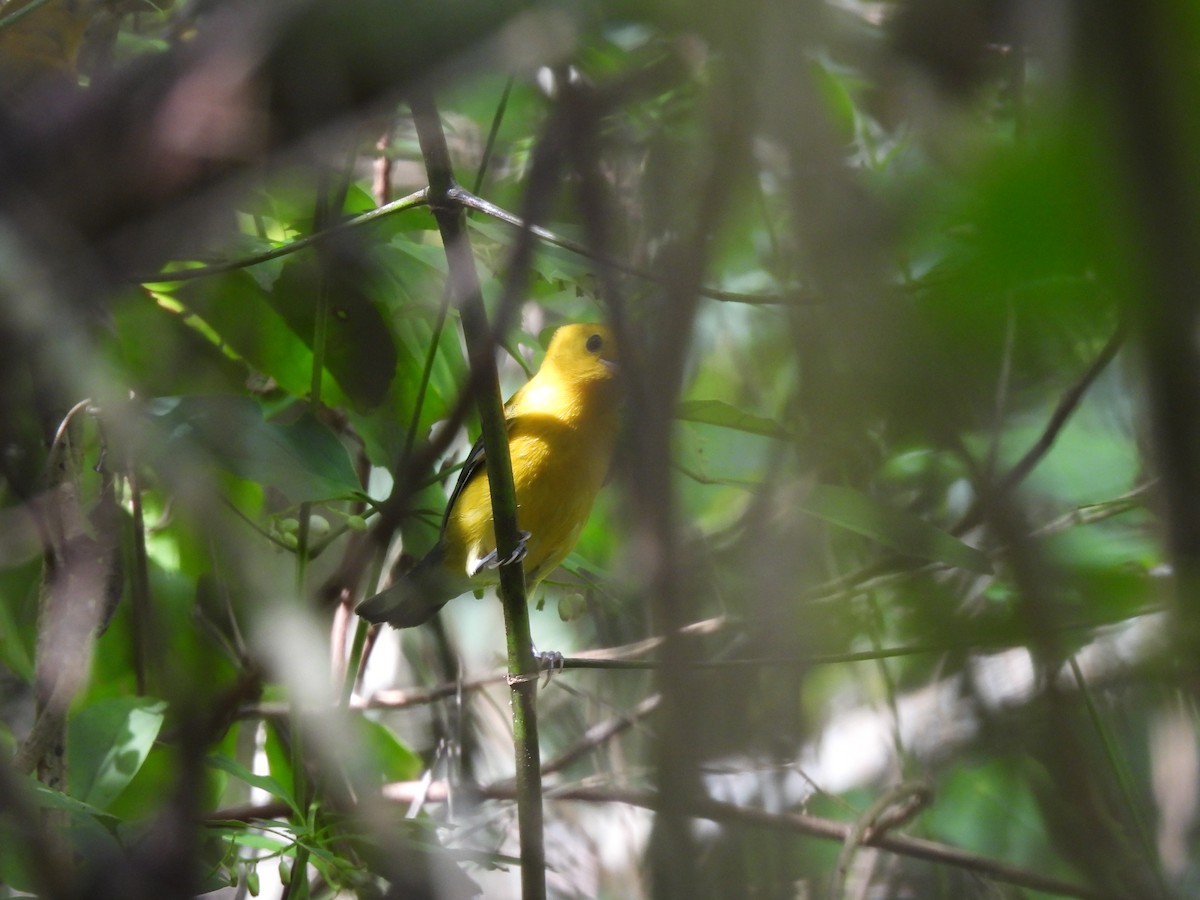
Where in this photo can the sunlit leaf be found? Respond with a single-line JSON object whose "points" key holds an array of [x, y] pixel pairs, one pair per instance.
{"points": [[107, 744]]}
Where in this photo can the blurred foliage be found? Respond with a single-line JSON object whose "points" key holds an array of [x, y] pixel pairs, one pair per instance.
{"points": [[909, 277]]}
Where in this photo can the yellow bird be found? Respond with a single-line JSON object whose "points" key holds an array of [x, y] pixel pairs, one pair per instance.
{"points": [[561, 429]]}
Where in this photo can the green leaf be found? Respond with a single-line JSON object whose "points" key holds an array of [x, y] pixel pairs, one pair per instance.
{"points": [[253, 840], [48, 798], [108, 742], [239, 313], [278, 752], [725, 415], [835, 85], [304, 459], [19, 588], [555, 264], [82, 827], [359, 351], [262, 782], [393, 759], [894, 528]]}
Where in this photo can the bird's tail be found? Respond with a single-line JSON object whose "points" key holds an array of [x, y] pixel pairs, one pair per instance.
{"points": [[416, 597]]}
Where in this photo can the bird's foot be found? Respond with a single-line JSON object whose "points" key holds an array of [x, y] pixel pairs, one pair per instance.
{"points": [[550, 660], [521, 551], [518, 554], [493, 561]]}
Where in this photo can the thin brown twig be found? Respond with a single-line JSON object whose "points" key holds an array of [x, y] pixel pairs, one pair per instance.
{"points": [[411, 201], [815, 826], [601, 733], [616, 659], [720, 811], [891, 809], [472, 201], [468, 200]]}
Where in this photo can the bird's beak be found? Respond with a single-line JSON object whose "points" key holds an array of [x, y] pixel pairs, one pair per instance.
{"points": [[610, 365]]}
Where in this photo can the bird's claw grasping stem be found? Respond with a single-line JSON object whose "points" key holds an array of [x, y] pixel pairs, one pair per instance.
{"points": [[550, 660], [519, 552]]}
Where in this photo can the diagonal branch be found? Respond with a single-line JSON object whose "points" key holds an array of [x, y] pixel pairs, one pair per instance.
{"points": [[1067, 404]]}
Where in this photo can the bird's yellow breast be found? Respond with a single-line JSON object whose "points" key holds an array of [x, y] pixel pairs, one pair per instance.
{"points": [[560, 461]]}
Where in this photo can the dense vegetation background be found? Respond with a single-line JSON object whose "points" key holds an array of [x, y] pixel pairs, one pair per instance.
{"points": [[895, 591]]}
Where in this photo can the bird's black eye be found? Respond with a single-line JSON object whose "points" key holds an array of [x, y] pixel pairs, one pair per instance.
{"points": [[594, 343]]}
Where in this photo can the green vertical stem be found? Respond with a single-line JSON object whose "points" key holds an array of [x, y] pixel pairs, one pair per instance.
{"points": [[465, 290]]}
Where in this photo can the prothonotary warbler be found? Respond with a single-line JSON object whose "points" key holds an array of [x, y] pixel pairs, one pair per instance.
{"points": [[561, 429]]}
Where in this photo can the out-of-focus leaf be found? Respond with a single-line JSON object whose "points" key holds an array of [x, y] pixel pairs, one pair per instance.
{"points": [[48, 798], [239, 312], [19, 588], [304, 459], [429, 255], [394, 761], [86, 828], [108, 742], [552, 263], [165, 350], [279, 756], [262, 782], [835, 87], [253, 840], [359, 351], [894, 528], [718, 412]]}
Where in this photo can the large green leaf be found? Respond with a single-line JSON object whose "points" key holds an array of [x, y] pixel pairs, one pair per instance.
{"points": [[108, 742], [359, 350], [894, 528], [240, 314], [303, 459]]}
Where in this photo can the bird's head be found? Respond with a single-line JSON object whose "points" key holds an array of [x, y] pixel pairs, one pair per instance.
{"points": [[583, 353]]}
